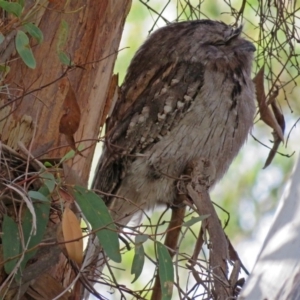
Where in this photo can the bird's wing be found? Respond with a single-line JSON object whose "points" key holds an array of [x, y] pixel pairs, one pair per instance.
{"points": [[149, 109], [158, 90], [149, 106]]}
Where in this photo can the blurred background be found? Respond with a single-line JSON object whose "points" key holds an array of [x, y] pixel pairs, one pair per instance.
{"points": [[248, 193]]}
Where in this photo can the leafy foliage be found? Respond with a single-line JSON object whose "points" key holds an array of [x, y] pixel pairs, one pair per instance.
{"points": [[22, 244], [24, 50], [11, 243], [34, 31], [165, 270], [139, 256], [62, 41], [21, 39], [12, 7], [98, 215]]}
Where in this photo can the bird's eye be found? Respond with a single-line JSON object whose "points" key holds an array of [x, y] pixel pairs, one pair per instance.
{"points": [[219, 43]]}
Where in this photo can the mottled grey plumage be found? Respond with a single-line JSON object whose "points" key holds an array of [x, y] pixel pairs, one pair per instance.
{"points": [[187, 95]]}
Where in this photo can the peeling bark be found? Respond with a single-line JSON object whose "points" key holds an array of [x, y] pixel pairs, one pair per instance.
{"points": [[34, 104]]}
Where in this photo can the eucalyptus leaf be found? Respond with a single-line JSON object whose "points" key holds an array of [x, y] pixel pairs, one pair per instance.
{"points": [[34, 31], [10, 243], [64, 58], [2, 38], [195, 220], [138, 262], [141, 238], [42, 211], [63, 33], [5, 69], [48, 164], [12, 7], [165, 271], [67, 156], [99, 217], [71, 153], [49, 180], [21, 2], [24, 50], [38, 196]]}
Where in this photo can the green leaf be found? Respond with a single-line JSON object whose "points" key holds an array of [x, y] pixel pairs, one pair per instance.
{"points": [[24, 50], [48, 164], [44, 189], [11, 239], [2, 38], [141, 238], [195, 220], [71, 154], [67, 156], [165, 271], [35, 32], [49, 180], [42, 211], [99, 217], [138, 261], [64, 58], [5, 69], [63, 33], [10, 242], [139, 256], [38, 196], [12, 7], [21, 2]]}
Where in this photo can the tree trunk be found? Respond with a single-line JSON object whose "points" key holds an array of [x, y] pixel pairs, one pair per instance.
{"points": [[31, 114], [276, 272]]}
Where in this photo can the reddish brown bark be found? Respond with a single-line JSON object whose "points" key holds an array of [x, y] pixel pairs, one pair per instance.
{"points": [[31, 115], [95, 29]]}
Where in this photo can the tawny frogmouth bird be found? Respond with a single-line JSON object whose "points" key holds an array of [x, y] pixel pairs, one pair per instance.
{"points": [[187, 95]]}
